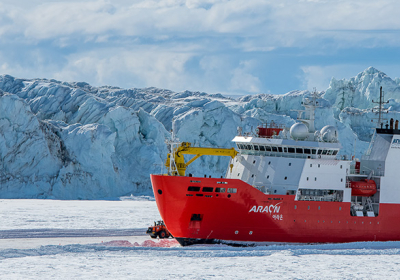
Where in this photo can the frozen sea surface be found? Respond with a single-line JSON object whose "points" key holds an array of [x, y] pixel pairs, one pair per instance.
{"points": [[87, 256]]}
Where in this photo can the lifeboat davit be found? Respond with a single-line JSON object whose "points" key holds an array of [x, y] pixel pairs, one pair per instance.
{"points": [[363, 188]]}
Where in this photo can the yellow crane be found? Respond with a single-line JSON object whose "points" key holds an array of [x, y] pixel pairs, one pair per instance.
{"points": [[186, 149]]}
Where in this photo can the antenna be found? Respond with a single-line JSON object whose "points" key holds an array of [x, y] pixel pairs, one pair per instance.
{"points": [[380, 108]]}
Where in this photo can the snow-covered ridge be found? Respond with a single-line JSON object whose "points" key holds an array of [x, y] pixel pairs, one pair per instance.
{"points": [[74, 141]]}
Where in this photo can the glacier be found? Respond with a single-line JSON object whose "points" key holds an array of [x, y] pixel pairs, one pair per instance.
{"points": [[65, 140]]}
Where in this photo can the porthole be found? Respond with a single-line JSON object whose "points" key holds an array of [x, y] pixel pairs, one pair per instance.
{"points": [[254, 161], [310, 164], [340, 208], [252, 175], [319, 165], [267, 176], [319, 207], [269, 163], [236, 232], [295, 207], [290, 164], [315, 179], [307, 178], [159, 191], [285, 178], [341, 180], [308, 207], [341, 166], [250, 232]]}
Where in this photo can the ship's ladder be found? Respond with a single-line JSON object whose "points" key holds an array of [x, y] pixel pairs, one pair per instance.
{"points": [[370, 208]]}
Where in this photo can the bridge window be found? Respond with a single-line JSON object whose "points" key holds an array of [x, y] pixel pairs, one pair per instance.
{"points": [[193, 189], [291, 150], [299, 150], [285, 149], [335, 152], [268, 148], [232, 190], [207, 189], [307, 151], [262, 148], [274, 149], [324, 152], [280, 149], [256, 147], [220, 190], [314, 151], [319, 152]]}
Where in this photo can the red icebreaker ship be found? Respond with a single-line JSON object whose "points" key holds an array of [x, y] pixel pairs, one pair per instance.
{"points": [[285, 186]]}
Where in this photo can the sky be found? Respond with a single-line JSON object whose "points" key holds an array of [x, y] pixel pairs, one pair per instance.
{"points": [[229, 47]]}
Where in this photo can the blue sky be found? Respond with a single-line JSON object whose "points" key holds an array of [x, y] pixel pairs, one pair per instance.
{"points": [[229, 47]]}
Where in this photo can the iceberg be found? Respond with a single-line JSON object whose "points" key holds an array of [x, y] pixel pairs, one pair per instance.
{"points": [[74, 141]]}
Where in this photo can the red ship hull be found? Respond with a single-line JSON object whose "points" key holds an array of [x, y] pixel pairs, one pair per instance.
{"points": [[249, 216]]}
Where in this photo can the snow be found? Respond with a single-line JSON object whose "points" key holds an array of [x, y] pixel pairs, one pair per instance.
{"points": [[139, 257], [64, 140]]}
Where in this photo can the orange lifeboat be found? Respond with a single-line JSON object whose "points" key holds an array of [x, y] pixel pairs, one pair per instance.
{"points": [[363, 188]]}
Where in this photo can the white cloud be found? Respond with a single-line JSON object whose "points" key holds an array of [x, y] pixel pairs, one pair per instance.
{"points": [[187, 44], [242, 80], [319, 77]]}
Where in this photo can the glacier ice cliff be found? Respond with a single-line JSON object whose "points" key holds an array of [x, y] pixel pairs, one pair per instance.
{"points": [[74, 141]]}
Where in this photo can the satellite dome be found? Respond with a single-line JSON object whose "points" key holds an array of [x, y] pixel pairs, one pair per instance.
{"points": [[329, 133], [299, 131]]}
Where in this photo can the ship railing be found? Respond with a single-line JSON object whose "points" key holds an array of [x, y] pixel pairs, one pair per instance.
{"points": [[291, 155], [367, 171]]}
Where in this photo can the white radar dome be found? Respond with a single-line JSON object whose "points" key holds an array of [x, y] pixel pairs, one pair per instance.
{"points": [[299, 131], [329, 133]]}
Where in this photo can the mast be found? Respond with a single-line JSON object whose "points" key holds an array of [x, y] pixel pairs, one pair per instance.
{"points": [[379, 109], [307, 116]]}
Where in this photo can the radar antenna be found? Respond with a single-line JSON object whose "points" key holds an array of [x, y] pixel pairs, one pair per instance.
{"points": [[379, 109]]}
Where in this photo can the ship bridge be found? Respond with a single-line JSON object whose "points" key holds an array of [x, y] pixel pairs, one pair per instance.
{"points": [[298, 161]]}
